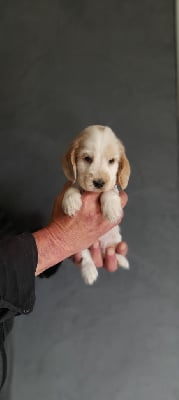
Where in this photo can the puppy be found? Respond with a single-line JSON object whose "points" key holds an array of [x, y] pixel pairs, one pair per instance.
{"points": [[96, 162]]}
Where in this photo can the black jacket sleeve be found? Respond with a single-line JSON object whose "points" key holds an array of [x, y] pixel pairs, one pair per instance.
{"points": [[18, 262]]}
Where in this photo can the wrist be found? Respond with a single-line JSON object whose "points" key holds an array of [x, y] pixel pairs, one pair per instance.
{"points": [[51, 249]]}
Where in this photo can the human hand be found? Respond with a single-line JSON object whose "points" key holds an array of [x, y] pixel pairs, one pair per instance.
{"points": [[65, 236]]}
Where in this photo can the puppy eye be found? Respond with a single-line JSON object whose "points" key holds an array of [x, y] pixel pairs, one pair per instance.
{"points": [[88, 159], [111, 161]]}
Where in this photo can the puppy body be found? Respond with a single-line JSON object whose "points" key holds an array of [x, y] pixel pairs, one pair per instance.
{"points": [[97, 162]]}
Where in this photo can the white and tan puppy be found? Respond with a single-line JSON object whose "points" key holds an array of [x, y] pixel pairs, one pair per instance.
{"points": [[96, 162]]}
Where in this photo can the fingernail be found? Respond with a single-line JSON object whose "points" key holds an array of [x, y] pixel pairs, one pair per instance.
{"points": [[96, 245], [110, 252]]}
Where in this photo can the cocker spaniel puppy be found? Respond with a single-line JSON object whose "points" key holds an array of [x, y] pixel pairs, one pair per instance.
{"points": [[97, 162]]}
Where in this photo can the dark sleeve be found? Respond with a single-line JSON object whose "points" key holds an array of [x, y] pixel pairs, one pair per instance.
{"points": [[18, 262]]}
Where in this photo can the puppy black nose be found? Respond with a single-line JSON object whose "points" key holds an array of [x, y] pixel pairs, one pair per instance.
{"points": [[98, 183]]}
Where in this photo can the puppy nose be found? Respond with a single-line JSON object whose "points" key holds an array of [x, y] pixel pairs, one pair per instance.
{"points": [[98, 183]]}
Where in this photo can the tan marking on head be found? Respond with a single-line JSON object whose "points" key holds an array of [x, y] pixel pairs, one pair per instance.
{"points": [[69, 159], [124, 169]]}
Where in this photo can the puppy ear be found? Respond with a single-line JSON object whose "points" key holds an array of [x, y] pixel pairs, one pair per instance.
{"points": [[124, 171], [69, 160], [69, 164]]}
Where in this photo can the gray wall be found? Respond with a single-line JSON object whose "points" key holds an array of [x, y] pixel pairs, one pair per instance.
{"points": [[64, 65]]}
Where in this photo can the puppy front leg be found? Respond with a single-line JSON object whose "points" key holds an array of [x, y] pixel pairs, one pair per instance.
{"points": [[88, 269], [111, 205], [71, 202]]}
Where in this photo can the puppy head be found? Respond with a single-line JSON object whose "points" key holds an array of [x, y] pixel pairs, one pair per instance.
{"points": [[96, 160]]}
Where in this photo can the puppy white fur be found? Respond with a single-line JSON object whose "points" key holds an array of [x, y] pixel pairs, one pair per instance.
{"points": [[97, 162]]}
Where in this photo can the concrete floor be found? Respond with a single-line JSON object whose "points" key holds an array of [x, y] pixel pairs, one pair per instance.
{"points": [[65, 65]]}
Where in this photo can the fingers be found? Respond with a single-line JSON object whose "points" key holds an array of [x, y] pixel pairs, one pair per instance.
{"points": [[96, 254], [110, 261], [124, 198], [110, 258], [122, 248], [77, 258]]}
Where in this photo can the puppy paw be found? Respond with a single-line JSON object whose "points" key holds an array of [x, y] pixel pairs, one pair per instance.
{"points": [[71, 203], [122, 261], [89, 274], [113, 211], [111, 206]]}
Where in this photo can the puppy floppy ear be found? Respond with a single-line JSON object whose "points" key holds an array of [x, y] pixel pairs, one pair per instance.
{"points": [[69, 161], [69, 164], [123, 171]]}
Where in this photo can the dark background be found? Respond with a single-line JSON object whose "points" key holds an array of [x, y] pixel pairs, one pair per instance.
{"points": [[64, 65]]}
